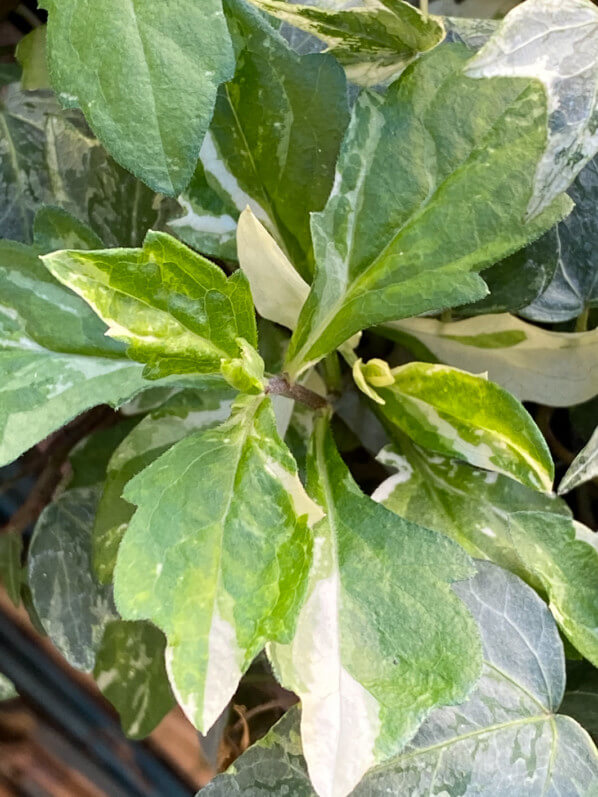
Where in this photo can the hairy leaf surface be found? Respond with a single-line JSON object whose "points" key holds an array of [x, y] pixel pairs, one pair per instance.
{"points": [[374, 42], [506, 738], [400, 234], [217, 553], [370, 657], [176, 310], [461, 415], [145, 75], [534, 364]]}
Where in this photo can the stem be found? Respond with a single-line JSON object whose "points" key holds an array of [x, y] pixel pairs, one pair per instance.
{"points": [[446, 316], [423, 5], [280, 386], [332, 373], [581, 325]]}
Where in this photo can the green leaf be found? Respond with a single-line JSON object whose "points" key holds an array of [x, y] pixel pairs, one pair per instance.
{"points": [[418, 155], [554, 368], [494, 518], [154, 435], [370, 657], [276, 96], [24, 176], [131, 674], [461, 415], [11, 550], [55, 359], [55, 228], [89, 459], [373, 42], [581, 697], [583, 468], [575, 284], [216, 554], [31, 54], [568, 30], [176, 311], [152, 126], [505, 739], [72, 606]]}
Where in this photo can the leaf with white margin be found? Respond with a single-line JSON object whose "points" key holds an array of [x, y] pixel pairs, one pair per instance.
{"points": [[217, 553], [574, 287], [495, 518], [277, 289], [370, 657], [554, 368], [583, 468], [177, 311], [460, 415], [72, 606], [417, 155], [131, 674], [505, 739], [152, 436], [556, 43], [110, 59], [373, 41]]}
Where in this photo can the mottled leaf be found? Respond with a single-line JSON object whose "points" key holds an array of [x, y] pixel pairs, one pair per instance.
{"points": [[400, 234], [276, 132], [495, 518], [583, 468], [556, 43], [575, 284], [505, 739], [370, 657], [71, 605], [11, 549], [31, 54], [55, 228], [216, 554], [131, 674], [112, 58], [461, 415], [534, 364], [374, 41], [177, 311], [154, 435]]}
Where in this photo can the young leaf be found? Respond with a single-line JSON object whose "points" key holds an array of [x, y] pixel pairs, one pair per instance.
{"points": [[111, 59], [370, 657], [31, 54], [506, 738], [568, 30], [217, 553], [461, 415], [495, 518], [131, 674], [72, 607], [276, 96], [277, 289], [154, 435], [574, 287], [400, 234], [553, 368], [177, 311], [374, 42], [583, 468]]}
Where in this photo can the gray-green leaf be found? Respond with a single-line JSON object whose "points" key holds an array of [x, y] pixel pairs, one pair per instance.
{"points": [[176, 310], [145, 74], [217, 553], [131, 673], [505, 739], [374, 42], [370, 657], [432, 185], [70, 603]]}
